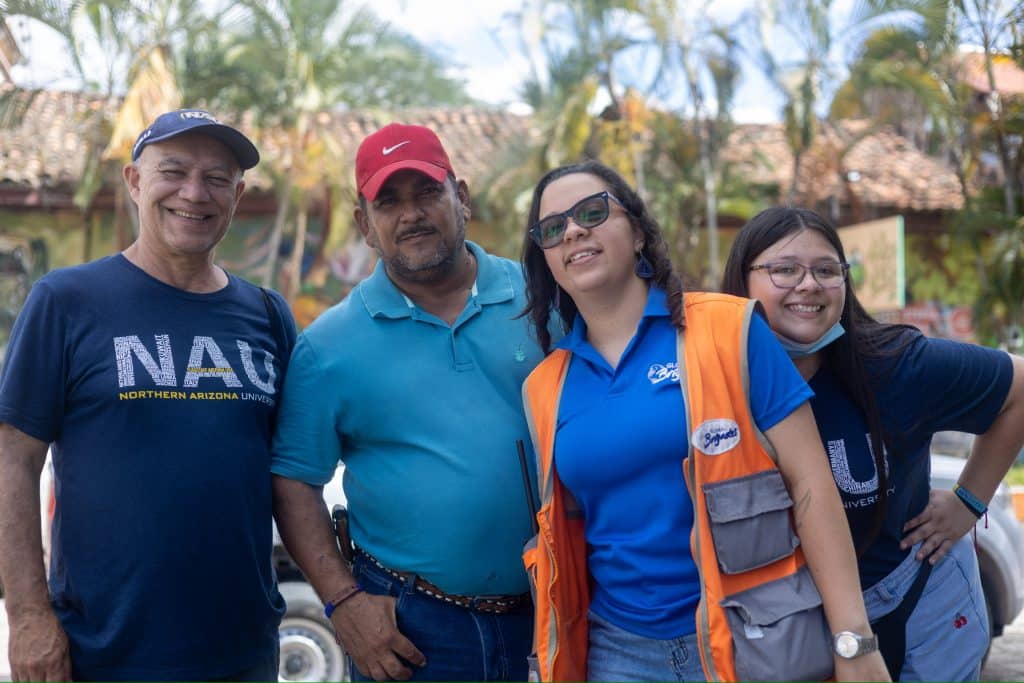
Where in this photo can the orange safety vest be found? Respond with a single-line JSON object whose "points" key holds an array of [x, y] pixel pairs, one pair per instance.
{"points": [[759, 615]]}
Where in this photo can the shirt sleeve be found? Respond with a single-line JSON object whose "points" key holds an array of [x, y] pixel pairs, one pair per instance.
{"points": [[32, 385], [952, 386], [306, 444], [776, 387]]}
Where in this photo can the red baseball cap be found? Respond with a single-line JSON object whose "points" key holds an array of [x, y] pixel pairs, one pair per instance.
{"points": [[396, 147]]}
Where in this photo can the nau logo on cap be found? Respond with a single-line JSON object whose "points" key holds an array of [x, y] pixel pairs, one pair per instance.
{"points": [[715, 437], [198, 115]]}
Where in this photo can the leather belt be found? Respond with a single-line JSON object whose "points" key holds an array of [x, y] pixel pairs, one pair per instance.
{"points": [[490, 604]]}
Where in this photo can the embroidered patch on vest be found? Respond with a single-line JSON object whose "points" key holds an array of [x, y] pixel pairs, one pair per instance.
{"points": [[715, 437]]}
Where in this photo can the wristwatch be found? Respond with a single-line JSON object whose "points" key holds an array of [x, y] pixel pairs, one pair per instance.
{"points": [[849, 645]]}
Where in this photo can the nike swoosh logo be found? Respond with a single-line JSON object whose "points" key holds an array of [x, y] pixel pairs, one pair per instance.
{"points": [[388, 150]]}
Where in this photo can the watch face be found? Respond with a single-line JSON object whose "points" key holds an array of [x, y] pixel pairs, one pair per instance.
{"points": [[846, 645]]}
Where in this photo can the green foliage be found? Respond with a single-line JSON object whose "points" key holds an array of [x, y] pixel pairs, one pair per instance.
{"points": [[941, 268], [818, 47]]}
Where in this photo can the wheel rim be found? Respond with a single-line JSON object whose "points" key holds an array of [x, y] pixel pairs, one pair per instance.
{"points": [[309, 653]]}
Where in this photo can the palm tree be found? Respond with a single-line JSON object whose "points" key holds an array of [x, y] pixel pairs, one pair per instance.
{"points": [[988, 23], [293, 61], [132, 39], [703, 54], [803, 47], [573, 47]]}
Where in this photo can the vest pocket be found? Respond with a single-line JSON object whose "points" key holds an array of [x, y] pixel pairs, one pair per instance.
{"points": [[750, 521], [779, 632]]}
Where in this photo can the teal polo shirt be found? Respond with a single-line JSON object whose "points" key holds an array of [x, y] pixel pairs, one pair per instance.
{"points": [[425, 416]]}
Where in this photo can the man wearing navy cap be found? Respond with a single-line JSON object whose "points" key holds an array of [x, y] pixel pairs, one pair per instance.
{"points": [[154, 376], [413, 381]]}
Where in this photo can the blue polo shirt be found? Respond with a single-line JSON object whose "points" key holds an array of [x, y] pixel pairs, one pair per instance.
{"points": [[425, 417], [619, 446]]}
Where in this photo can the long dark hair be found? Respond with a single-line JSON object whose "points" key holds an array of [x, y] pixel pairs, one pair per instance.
{"points": [[865, 337], [542, 292]]}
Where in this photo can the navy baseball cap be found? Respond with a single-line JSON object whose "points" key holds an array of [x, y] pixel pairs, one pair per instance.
{"points": [[180, 121]]}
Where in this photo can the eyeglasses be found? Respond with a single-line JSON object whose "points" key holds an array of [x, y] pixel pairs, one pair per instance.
{"points": [[587, 213], [789, 274]]}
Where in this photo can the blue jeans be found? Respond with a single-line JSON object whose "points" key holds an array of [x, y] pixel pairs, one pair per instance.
{"points": [[618, 655], [460, 644], [947, 633]]}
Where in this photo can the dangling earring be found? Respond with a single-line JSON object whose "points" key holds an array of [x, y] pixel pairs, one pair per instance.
{"points": [[643, 269], [558, 298]]}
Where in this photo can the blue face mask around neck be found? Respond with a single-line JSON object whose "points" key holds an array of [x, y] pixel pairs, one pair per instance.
{"points": [[799, 350]]}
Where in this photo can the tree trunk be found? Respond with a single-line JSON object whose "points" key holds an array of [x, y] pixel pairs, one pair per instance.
{"points": [[995, 108], [798, 155], [294, 283], [711, 207], [319, 269], [707, 170], [274, 243]]}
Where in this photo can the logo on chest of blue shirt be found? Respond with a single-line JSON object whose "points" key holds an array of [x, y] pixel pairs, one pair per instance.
{"points": [[714, 437], [855, 472], [660, 372], [207, 361]]}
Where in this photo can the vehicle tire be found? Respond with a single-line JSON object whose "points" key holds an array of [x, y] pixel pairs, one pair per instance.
{"points": [[309, 651]]}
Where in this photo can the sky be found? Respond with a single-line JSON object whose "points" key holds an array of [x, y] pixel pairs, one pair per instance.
{"points": [[476, 36]]}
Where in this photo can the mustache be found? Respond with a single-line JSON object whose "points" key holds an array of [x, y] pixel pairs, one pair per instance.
{"points": [[417, 229]]}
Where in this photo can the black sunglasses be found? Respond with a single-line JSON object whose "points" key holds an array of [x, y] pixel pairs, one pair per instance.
{"points": [[587, 213]]}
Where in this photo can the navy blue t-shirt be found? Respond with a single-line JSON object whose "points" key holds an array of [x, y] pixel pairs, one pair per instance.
{"points": [[159, 403], [619, 448], [933, 385]]}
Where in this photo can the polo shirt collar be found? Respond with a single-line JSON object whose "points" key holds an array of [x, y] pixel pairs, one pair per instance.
{"points": [[576, 340], [383, 299]]}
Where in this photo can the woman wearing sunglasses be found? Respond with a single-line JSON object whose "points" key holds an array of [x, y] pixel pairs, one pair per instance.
{"points": [[880, 392], [671, 437]]}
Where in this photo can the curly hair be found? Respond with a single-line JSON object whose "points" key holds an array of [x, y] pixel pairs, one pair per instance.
{"points": [[542, 292]]}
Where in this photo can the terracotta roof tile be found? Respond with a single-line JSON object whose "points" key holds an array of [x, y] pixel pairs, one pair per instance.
{"points": [[882, 168], [1009, 77]]}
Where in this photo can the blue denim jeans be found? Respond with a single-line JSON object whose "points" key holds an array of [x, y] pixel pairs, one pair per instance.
{"points": [[947, 633], [618, 655], [460, 644]]}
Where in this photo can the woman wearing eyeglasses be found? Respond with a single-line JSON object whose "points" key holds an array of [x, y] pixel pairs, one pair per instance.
{"points": [[880, 393], [673, 460]]}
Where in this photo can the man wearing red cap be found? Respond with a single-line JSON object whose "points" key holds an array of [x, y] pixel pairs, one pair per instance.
{"points": [[154, 375], [413, 381]]}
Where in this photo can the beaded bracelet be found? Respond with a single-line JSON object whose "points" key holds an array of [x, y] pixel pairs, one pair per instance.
{"points": [[340, 597], [976, 507]]}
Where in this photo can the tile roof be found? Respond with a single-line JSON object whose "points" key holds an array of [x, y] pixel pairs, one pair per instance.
{"points": [[473, 137], [850, 161], [883, 169], [1009, 78], [45, 150]]}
